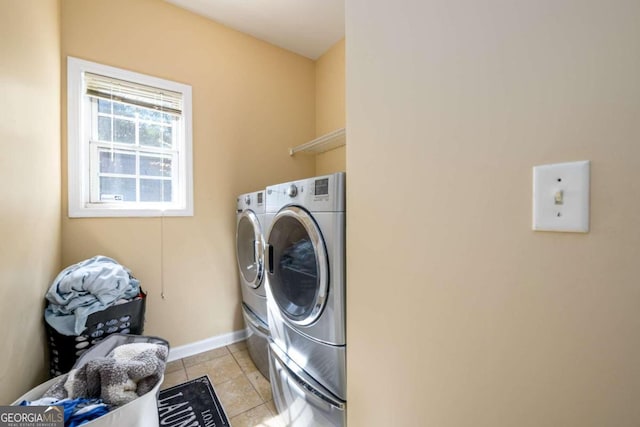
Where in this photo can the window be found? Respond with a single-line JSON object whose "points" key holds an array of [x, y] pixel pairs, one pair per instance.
{"points": [[129, 143]]}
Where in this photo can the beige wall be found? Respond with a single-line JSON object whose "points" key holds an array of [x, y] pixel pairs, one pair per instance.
{"points": [[330, 105], [459, 314], [331, 161], [251, 101], [30, 176]]}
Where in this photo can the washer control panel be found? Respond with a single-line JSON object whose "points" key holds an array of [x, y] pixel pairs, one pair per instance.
{"points": [[254, 201]]}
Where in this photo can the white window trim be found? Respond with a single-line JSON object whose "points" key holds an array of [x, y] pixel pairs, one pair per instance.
{"points": [[78, 148]]}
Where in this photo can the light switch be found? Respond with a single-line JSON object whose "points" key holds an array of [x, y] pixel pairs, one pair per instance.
{"points": [[561, 197]]}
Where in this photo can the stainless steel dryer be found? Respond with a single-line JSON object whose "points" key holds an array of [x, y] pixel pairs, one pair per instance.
{"points": [[250, 227], [306, 298]]}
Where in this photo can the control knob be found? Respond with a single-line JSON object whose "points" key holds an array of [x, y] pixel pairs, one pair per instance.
{"points": [[292, 191], [247, 199]]}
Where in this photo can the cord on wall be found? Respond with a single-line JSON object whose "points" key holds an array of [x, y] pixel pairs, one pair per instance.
{"points": [[162, 166], [162, 255]]}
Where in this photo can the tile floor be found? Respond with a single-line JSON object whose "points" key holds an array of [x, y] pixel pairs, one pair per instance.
{"points": [[243, 391]]}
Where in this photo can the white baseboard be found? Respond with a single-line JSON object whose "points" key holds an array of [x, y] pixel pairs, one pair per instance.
{"points": [[186, 350]]}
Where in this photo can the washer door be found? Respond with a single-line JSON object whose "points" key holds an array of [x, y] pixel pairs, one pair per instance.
{"points": [[250, 249], [298, 269]]}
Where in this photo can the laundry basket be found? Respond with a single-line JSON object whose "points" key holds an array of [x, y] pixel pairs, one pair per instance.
{"points": [[64, 350], [141, 412]]}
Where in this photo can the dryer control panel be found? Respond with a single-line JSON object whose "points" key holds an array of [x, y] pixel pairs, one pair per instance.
{"points": [[320, 194]]}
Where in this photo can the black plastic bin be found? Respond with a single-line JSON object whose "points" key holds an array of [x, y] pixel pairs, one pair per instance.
{"points": [[64, 350]]}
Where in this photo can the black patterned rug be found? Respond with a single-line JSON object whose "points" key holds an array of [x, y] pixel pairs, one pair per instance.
{"points": [[191, 402]]}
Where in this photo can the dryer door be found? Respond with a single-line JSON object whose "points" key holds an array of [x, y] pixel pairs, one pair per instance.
{"points": [[298, 268], [250, 249]]}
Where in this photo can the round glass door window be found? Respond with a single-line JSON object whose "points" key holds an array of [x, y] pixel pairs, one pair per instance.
{"points": [[298, 271], [249, 249]]}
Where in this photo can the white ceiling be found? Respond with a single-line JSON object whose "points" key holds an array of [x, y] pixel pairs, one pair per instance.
{"points": [[306, 27]]}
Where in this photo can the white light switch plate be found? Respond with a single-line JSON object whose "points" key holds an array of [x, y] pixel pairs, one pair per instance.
{"points": [[561, 197]]}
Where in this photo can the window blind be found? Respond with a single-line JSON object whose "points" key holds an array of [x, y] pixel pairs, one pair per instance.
{"points": [[133, 93]]}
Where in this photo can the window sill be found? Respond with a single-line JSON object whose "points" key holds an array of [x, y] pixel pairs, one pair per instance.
{"points": [[96, 212]]}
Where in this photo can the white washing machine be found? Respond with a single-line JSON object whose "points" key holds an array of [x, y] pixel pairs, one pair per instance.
{"points": [[250, 255], [306, 298]]}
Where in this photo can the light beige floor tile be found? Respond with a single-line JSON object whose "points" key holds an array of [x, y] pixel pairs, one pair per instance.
{"points": [[241, 388], [173, 378], [241, 345], [219, 370], [261, 385], [175, 365], [272, 407], [275, 420], [205, 356], [258, 416], [237, 396], [245, 362]]}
